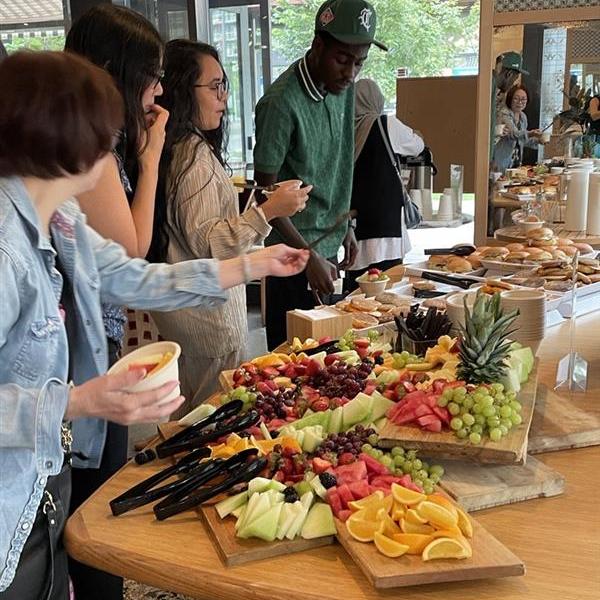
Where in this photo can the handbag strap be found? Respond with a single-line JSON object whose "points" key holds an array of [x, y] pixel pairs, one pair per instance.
{"points": [[388, 147]]}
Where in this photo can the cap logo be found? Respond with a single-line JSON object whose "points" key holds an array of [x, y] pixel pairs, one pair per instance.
{"points": [[364, 18], [326, 17]]}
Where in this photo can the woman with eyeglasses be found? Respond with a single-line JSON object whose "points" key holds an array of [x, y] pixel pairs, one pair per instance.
{"points": [[197, 214], [121, 205], [508, 151]]}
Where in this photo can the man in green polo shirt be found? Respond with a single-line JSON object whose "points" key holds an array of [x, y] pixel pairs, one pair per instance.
{"points": [[305, 130]]}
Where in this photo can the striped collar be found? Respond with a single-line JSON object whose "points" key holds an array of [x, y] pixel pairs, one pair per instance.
{"points": [[307, 82]]}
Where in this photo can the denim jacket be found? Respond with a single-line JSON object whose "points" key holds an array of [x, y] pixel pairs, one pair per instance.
{"points": [[35, 361], [518, 134]]}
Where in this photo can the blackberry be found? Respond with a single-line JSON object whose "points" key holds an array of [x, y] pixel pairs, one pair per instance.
{"points": [[290, 495], [379, 360], [327, 480]]}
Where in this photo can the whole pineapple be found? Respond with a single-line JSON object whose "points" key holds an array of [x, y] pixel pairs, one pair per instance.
{"points": [[483, 345]]}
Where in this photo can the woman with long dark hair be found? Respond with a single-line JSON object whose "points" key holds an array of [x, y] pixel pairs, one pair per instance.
{"points": [[120, 207], [197, 213], [59, 116]]}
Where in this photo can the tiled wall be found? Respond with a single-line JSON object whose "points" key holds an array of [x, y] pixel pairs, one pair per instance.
{"points": [[518, 5]]}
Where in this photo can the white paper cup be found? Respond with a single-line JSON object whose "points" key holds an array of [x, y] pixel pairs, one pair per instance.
{"points": [[290, 184], [499, 129], [169, 372], [455, 308]]}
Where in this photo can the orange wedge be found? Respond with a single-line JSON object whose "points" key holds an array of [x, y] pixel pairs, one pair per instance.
{"points": [[443, 501], [405, 496], [416, 542], [412, 516], [454, 532], [389, 547], [388, 525], [397, 514], [437, 515], [445, 548], [361, 530], [464, 522], [375, 498], [408, 527]]}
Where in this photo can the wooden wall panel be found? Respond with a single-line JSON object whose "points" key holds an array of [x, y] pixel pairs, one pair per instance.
{"points": [[443, 109]]}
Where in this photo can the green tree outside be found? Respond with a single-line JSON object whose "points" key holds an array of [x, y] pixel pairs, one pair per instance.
{"points": [[56, 42], [424, 35]]}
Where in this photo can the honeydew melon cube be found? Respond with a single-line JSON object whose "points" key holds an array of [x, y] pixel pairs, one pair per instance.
{"points": [[264, 526], [335, 421], [357, 410], [227, 506], [296, 525], [289, 512], [319, 522], [316, 485]]}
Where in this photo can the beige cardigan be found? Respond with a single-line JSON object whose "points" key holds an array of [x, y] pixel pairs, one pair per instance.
{"points": [[204, 222]]}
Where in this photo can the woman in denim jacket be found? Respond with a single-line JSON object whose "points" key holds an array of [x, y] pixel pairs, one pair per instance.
{"points": [[58, 120]]}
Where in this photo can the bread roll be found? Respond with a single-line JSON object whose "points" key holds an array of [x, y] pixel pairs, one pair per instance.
{"points": [[459, 265]]}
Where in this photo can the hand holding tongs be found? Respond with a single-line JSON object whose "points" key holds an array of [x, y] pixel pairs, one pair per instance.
{"points": [[203, 432]]}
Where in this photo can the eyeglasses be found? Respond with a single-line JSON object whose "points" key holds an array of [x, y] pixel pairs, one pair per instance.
{"points": [[157, 77], [221, 88]]}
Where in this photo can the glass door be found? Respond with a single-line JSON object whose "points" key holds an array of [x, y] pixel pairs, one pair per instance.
{"points": [[241, 32]]}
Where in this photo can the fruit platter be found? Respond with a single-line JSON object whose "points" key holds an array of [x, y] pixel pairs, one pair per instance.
{"points": [[296, 453]]}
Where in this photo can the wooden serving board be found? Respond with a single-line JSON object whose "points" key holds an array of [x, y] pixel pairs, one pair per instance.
{"points": [[476, 487], [236, 551], [512, 449], [491, 559], [226, 380]]}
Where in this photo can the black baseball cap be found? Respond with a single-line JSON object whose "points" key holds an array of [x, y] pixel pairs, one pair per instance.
{"points": [[348, 21]]}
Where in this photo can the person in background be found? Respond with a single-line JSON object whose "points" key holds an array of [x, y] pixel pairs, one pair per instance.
{"points": [[197, 214], [120, 207], [304, 130], [509, 148], [593, 119], [3, 52], [509, 67], [59, 116], [377, 191]]}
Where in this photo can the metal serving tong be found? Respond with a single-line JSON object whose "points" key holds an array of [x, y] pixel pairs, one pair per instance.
{"points": [[143, 492], [211, 428], [190, 495], [462, 282]]}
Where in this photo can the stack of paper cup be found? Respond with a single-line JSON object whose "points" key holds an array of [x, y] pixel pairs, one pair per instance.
{"points": [[427, 204], [445, 207], [455, 309], [530, 325], [577, 200], [593, 213]]}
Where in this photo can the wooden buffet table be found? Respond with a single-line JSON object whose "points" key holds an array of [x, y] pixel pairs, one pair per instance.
{"points": [[557, 538]]}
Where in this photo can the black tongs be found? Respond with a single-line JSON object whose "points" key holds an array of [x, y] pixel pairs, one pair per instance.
{"points": [[462, 282], [143, 493], [238, 469], [211, 428]]}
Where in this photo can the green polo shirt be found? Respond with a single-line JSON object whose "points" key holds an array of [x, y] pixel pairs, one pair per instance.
{"points": [[303, 134]]}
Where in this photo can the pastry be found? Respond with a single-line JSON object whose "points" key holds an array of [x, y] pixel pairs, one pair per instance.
{"points": [[438, 303], [423, 286], [438, 262], [558, 286], [362, 320], [584, 248], [364, 304], [514, 247], [495, 253]]}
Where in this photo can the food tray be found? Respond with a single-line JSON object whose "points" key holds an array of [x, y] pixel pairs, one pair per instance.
{"points": [[423, 266], [502, 267]]}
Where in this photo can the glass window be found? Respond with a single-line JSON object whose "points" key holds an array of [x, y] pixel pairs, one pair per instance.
{"points": [[32, 24], [170, 17]]}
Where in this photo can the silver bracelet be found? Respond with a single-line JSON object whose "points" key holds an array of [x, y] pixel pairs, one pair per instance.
{"points": [[246, 268]]}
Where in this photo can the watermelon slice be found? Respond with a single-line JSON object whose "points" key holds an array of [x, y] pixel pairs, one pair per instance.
{"points": [[430, 422], [320, 466], [360, 489], [334, 500], [344, 515], [352, 472], [423, 409], [373, 466], [345, 495]]}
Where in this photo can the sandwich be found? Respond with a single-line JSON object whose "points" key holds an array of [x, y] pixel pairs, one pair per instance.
{"points": [[495, 253], [456, 264], [438, 262], [541, 237]]}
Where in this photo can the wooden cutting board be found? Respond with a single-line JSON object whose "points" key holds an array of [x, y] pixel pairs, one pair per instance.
{"points": [[236, 551], [233, 550], [476, 487], [490, 559], [511, 449]]}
